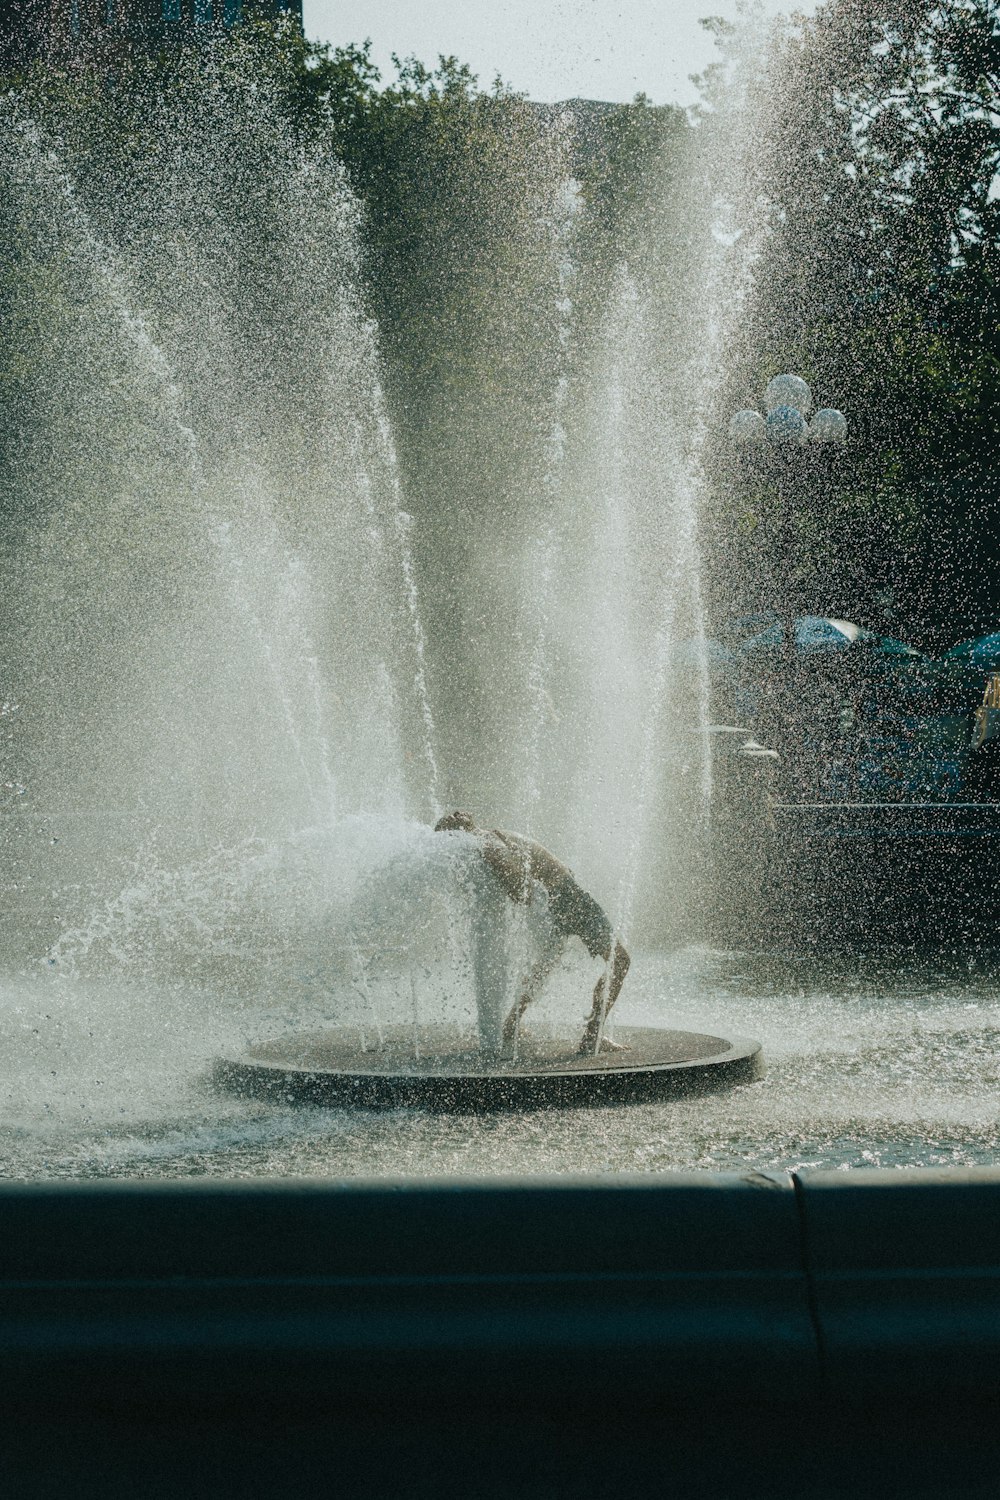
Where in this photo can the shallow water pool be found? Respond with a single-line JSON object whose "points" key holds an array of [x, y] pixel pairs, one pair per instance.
{"points": [[869, 1063]]}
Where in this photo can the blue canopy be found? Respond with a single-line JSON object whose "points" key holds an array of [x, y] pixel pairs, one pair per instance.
{"points": [[982, 654], [815, 635]]}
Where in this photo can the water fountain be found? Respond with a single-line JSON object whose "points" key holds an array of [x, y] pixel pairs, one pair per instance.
{"points": [[252, 648], [216, 591], [256, 636]]}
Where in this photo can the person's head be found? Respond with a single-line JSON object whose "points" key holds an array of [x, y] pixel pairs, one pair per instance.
{"points": [[455, 822]]}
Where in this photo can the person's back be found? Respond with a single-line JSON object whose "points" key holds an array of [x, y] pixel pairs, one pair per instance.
{"points": [[518, 863], [533, 861]]}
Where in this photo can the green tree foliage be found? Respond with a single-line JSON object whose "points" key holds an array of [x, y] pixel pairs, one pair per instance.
{"points": [[465, 209], [495, 229], [876, 138], [880, 287], [461, 194]]}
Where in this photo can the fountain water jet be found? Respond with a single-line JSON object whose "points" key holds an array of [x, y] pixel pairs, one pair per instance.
{"points": [[269, 714]]}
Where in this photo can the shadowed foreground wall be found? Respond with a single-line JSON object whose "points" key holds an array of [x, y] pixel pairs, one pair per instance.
{"points": [[826, 1333]]}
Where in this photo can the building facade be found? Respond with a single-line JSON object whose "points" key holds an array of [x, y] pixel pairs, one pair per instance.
{"points": [[32, 28]]}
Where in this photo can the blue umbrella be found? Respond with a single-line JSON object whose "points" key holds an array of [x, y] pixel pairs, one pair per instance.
{"points": [[822, 633], [814, 634], [827, 639], [982, 654]]}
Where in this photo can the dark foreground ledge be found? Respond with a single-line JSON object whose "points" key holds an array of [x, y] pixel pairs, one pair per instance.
{"points": [[572, 1337]]}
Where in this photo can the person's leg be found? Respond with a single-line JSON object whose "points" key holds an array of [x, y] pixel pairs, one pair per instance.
{"points": [[617, 968], [529, 990]]}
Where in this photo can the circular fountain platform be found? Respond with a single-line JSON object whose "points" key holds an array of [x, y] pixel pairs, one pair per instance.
{"points": [[444, 1069]]}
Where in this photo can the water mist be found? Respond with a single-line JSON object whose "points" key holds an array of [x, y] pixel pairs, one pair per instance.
{"points": [[249, 652]]}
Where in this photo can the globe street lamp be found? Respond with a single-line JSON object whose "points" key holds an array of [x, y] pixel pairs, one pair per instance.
{"points": [[782, 445], [787, 404], [781, 437]]}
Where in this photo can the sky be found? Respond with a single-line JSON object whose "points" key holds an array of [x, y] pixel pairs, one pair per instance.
{"points": [[548, 49]]}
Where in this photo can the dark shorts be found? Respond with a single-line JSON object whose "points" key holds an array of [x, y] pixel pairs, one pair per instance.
{"points": [[577, 914]]}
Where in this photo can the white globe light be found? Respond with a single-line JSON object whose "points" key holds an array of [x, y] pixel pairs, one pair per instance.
{"points": [[747, 427], [829, 426], [788, 390], [785, 424]]}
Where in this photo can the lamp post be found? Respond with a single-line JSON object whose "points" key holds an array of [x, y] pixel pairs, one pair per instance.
{"points": [[781, 445], [787, 404], [781, 438]]}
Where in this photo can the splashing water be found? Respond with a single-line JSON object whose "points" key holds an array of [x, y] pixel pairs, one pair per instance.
{"points": [[234, 701], [219, 708], [542, 558]]}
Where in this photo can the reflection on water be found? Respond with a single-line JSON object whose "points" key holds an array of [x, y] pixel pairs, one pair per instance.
{"points": [[869, 1064]]}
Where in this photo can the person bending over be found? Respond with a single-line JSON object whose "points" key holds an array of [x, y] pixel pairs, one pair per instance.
{"points": [[517, 862]]}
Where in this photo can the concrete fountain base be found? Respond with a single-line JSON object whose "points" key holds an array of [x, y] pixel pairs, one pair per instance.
{"points": [[443, 1068]]}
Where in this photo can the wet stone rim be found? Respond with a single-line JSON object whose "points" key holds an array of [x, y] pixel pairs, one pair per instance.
{"points": [[694, 1064]]}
